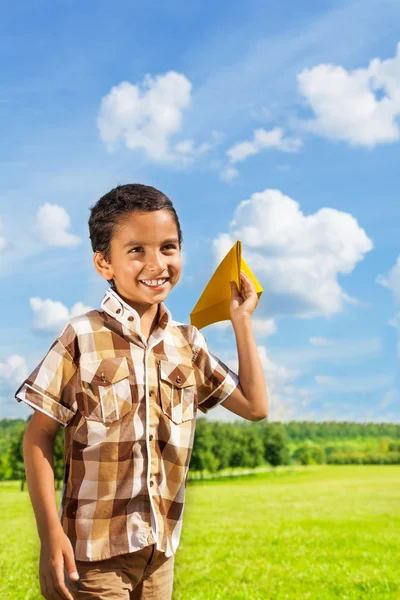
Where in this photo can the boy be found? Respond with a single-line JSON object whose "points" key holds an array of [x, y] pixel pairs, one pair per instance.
{"points": [[126, 382]]}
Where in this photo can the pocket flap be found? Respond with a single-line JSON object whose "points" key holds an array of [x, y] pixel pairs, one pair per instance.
{"points": [[179, 375], [105, 371]]}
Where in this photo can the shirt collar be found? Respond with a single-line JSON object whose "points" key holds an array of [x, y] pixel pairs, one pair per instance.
{"points": [[116, 307]]}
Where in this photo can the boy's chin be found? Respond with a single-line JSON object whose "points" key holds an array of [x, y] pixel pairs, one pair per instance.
{"points": [[145, 295]]}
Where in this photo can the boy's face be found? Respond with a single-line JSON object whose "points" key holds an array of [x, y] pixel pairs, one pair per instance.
{"points": [[145, 246]]}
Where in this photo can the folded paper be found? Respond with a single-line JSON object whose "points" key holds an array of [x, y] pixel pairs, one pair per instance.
{"points": [[213, 304]]}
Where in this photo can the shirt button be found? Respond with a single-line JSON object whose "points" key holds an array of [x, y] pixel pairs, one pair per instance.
{"points": [[130, 318], [151, 393], [151, 482], [118, 311], [151, 436]]}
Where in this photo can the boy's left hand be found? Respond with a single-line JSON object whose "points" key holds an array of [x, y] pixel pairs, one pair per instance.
{"points": [[243, 305]]}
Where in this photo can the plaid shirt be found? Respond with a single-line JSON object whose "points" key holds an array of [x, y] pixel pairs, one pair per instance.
{"points": [[129, 409]]}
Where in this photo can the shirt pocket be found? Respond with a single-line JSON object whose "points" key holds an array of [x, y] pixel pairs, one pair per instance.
{"points": [[177, 390], [107, 390]]}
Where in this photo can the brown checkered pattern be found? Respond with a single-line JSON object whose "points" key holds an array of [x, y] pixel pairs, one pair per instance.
{"points": [[129, 409]]}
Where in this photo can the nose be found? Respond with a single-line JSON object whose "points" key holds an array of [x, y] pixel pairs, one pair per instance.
{"points": [[156, 264]]}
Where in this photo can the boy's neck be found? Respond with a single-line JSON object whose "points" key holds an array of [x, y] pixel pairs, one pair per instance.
{"points": [[148, 313], [149, 323]]}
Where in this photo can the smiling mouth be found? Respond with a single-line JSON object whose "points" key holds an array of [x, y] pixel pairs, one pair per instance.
{"points": [[155, 284]]}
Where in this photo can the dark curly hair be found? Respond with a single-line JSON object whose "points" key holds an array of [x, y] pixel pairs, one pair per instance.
{"points": [[108, 212]]}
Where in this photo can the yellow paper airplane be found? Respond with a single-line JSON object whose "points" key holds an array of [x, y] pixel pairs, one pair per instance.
{"points": [[213, 304]]}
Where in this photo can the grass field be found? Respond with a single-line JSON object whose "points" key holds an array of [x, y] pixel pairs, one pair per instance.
{"points": [[322, 533]]}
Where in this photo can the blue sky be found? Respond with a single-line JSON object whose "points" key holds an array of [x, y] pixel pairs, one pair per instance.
{"points": [[276, 125]]}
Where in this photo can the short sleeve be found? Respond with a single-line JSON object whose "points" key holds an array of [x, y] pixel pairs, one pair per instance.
{"points": [[215, 380], [51, 387]]}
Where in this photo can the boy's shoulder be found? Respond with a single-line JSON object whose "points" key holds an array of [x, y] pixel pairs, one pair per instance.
{"points": [[189, 331], [79, 325], [94, 316]]}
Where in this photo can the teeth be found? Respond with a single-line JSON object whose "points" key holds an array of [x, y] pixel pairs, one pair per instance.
{"points": [[153, 282]]}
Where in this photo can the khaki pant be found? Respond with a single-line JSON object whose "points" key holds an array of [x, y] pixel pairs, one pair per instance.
{"points": [[142, 575]]}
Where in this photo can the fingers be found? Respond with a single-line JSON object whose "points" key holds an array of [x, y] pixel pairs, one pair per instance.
{"points": [[47, 588], [234, 290], [248, 284], [71, 572], [44, 585], [60, 589], [247, 281]]}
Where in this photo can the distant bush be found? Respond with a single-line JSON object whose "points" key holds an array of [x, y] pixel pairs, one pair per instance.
{"points": [[364, 458], [310, 453]]}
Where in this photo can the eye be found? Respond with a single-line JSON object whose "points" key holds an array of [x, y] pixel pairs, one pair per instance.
{"points": [[173, 246]]}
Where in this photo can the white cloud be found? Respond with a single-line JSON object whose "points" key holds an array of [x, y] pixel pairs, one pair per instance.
{"points": [[51, 315], [337, 352], [297, 258], [365, 384], [346, 105], [221, 325], [145, 116], [286, 401], [79, 309], [229, 174], [276, 373], [319, 341], [392, 282], [3, 242], [395, 321], [188, 148], [263, 139], [13, 369], [324, 379], [261, 327], [53, 222], [186, 151], [390, 397]]}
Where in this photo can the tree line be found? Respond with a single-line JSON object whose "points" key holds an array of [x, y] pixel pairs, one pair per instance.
{"points": [[219, 445], [241, 444]]}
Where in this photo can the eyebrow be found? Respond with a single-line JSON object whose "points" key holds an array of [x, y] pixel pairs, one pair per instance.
{"points": [[136, 243]]}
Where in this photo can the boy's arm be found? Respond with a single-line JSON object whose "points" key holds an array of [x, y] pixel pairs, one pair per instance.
{"points": [[56, 548], [249, 399]]}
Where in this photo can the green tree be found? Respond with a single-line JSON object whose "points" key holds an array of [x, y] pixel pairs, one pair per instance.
{"points": [[203, 458], [309, 454], [58, 458], [5, 467], [222, 442], [255, 447], [16, 458], [247, 447], [275, 444]]}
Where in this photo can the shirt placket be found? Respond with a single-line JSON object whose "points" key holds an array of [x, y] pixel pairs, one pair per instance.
{"points": [[150, 390]]}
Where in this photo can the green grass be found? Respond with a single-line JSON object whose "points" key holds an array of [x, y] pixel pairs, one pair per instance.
{"points": [[319, 533]]}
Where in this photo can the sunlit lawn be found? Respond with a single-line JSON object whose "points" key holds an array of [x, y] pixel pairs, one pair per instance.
{"points": [[327, 532]]}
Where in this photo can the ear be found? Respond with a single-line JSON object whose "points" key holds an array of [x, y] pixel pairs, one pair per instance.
{"points": [[102, 266]]}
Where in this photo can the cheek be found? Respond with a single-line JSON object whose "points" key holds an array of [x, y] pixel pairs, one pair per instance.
{"points": [[128, 267], [177, 265]]}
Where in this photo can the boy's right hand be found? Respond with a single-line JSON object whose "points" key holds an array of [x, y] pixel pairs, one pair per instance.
{"points": [[55, 554]]}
